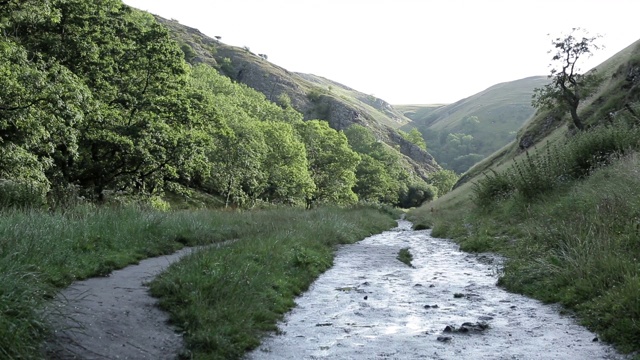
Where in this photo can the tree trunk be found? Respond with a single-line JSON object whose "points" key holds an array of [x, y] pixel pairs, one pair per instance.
{"points": [[576, 119]]}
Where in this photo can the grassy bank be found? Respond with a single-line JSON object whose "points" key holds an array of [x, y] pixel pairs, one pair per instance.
{"points": [[41, 252], [225, 299], [569, 239]]}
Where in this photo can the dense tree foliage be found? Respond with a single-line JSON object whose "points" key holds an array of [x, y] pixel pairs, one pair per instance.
{"points": [[332, 163], [457, 151], [415, 137], [97, 96], [380, 175]]}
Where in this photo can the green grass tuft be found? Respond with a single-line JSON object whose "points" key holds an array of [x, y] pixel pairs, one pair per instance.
{"points": [[405, 256]]}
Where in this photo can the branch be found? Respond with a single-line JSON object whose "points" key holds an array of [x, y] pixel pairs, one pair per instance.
{"points": [[14, 108]]}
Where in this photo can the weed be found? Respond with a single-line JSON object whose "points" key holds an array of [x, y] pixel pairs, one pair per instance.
{"points": [[405, 256]]}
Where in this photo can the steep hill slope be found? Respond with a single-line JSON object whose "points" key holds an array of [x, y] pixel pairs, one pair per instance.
{"points": [[563, 206], [417, 112], [462, 133], [620, 88], [314, 96]]}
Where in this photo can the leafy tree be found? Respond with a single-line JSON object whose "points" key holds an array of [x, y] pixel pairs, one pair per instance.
{"points": [[360, 138], [332, 163], [41, 106], [470, 124], [462, 163], [414, 136], [417, 193], [568, 87], [443, 180], [373, 182], [284, 101], [288, 179], [381, 175], [238, 172], [138, 131]]}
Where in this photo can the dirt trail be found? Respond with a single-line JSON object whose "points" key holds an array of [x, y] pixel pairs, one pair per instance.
{"points": [[372, 306], [114, 317]]}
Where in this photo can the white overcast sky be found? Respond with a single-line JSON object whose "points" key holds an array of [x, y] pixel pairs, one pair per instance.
{"points": [[408, 51]]}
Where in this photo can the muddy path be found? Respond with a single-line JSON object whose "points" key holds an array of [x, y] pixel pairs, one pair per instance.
{"points": [[372, 306], [114, 317]]}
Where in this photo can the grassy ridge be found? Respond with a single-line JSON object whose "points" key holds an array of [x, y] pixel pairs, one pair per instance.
{"points": [[575, 241], [225, 299], [41, 252]]}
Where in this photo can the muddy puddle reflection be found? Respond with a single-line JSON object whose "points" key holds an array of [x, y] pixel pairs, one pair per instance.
{"points": [[447, 306]]}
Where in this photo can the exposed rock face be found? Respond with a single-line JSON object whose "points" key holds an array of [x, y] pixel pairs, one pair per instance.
{"points": [[341, 115], [530, 138]]}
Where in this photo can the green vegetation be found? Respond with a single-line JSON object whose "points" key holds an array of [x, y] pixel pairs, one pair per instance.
{"points": [[461, 134], [315, 97], [443, 180], [619, 89], [104, 128], [415, 137], [567, 218], [226, 299], [43, 251], [563, 206], [405, 256], [568, 87], [381, 176], [98, 100]]}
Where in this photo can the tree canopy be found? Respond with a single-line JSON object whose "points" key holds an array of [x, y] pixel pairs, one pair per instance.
{"points": [[98, 96]]}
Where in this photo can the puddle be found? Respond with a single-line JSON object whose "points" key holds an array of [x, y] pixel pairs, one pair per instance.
{"points": [[370, 305]]}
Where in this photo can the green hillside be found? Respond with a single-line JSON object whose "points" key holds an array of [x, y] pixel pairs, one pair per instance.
{"points": [[620, 88], [314, 96], [460, 134], [122, 105], [417, 112], [563, 206]]}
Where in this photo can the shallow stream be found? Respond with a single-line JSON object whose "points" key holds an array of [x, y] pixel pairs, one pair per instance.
{"points": [[370, 305]]}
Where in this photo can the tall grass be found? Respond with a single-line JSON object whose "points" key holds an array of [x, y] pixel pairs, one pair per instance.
{"points": [[224, 300], [568, 221], [548, 170], [583, 249], [41, 252]]}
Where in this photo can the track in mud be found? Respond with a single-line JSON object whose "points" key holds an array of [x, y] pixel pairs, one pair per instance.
{"points": [[372, 306]]}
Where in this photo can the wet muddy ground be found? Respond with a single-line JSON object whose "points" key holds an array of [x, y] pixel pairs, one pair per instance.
{"points": [[447, 306]]}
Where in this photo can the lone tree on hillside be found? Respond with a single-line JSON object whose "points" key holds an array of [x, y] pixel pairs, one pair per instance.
{"points": [[568, 87]]}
